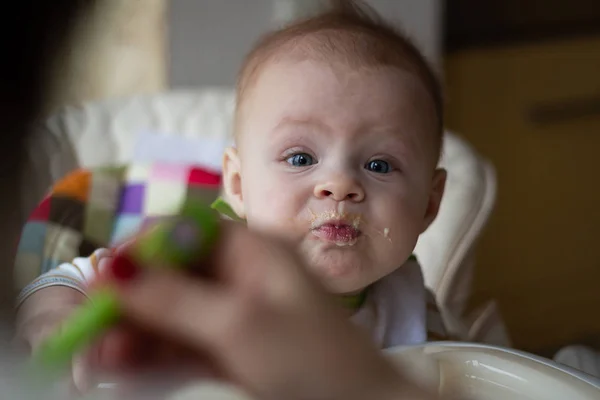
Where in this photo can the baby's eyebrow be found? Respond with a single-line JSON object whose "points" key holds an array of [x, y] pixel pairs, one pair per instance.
{"points": [[408, 146], [307, 123]]}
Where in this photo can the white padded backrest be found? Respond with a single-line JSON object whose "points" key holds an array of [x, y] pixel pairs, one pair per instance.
{"points": [[446, 249], [105, 132]]}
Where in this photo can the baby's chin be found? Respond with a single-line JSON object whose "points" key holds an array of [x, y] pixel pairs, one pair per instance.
{"points": [[343, 272]]}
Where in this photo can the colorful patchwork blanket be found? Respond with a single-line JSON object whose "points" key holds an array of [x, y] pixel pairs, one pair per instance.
{"points": [[100, 207]]}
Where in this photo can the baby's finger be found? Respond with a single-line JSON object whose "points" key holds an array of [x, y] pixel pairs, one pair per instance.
{"points": [[125, 244], [104, 264]]}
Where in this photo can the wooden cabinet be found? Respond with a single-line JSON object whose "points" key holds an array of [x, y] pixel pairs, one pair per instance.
{"points": [[476, 23], [534, 110]]}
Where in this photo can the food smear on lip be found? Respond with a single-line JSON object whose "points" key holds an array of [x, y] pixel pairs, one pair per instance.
{"points": [[336, 226], [354, 220], [338, 232], [319, 219]]}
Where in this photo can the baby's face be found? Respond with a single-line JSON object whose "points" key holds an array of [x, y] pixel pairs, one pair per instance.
{"points": [[340, 162]]}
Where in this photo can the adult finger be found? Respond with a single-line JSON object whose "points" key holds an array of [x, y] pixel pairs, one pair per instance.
{"points": [[172, 305]]}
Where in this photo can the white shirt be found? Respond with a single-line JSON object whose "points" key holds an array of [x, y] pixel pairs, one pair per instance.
{"points": [[398, 309], [395, 311]]}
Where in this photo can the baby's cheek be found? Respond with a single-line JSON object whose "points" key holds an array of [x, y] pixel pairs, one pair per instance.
{"points": [[275, 211], [400, 222]]}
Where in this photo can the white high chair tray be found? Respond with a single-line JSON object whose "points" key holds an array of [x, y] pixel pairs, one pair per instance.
{"points": [[483, 372], [460, 371]]}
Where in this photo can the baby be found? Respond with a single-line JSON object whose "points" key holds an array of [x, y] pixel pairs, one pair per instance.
{"points": [[338, 130], [338, 133]]}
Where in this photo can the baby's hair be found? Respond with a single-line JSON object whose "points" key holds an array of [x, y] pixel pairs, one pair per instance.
{"points": [[347, 31]]}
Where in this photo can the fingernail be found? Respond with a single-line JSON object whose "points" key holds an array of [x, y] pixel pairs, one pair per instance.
{"points": [[123, 269]]}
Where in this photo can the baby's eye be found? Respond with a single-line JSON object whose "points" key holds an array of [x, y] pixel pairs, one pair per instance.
{"points": [[379, 166], [300, 160]]}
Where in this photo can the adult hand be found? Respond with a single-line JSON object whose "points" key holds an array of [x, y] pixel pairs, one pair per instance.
{"points": [[263, 322]]}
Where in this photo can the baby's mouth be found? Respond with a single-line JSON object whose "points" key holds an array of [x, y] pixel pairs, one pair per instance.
{"points": [[339, 232]]}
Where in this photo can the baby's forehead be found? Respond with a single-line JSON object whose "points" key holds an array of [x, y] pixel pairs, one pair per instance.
{"points": [[341, 48], [313, 70], [309, 83], [324, 89], [334, 47], [305, 99]]}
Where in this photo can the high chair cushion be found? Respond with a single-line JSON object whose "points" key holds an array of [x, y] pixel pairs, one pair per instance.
{"points": [[108, 133], [447, 249], [102, 207]]}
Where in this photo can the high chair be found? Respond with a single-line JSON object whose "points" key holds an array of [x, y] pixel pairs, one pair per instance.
{"points": [[143, 128]]}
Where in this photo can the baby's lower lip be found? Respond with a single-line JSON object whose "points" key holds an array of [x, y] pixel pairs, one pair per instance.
{"points": [[337, 233]]}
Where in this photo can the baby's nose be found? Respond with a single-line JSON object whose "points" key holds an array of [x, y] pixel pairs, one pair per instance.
{"points": [[340, 189]]}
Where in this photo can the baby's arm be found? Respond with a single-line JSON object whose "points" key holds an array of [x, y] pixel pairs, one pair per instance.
{"points": [[49, 299], [43, 310]]}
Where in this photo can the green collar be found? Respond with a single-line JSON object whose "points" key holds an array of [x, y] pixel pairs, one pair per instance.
{"points": [[353, 302], [222, 207]]}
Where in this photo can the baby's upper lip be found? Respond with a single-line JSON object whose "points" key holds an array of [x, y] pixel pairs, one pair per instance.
{"points": [[336, 222]]}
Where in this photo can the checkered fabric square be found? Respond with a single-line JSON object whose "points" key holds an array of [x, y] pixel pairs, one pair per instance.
{"points": [[101, 207]]}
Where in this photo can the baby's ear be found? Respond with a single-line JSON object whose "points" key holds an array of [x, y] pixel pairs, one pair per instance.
{"points": [[438, 185], [232, 181]]}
